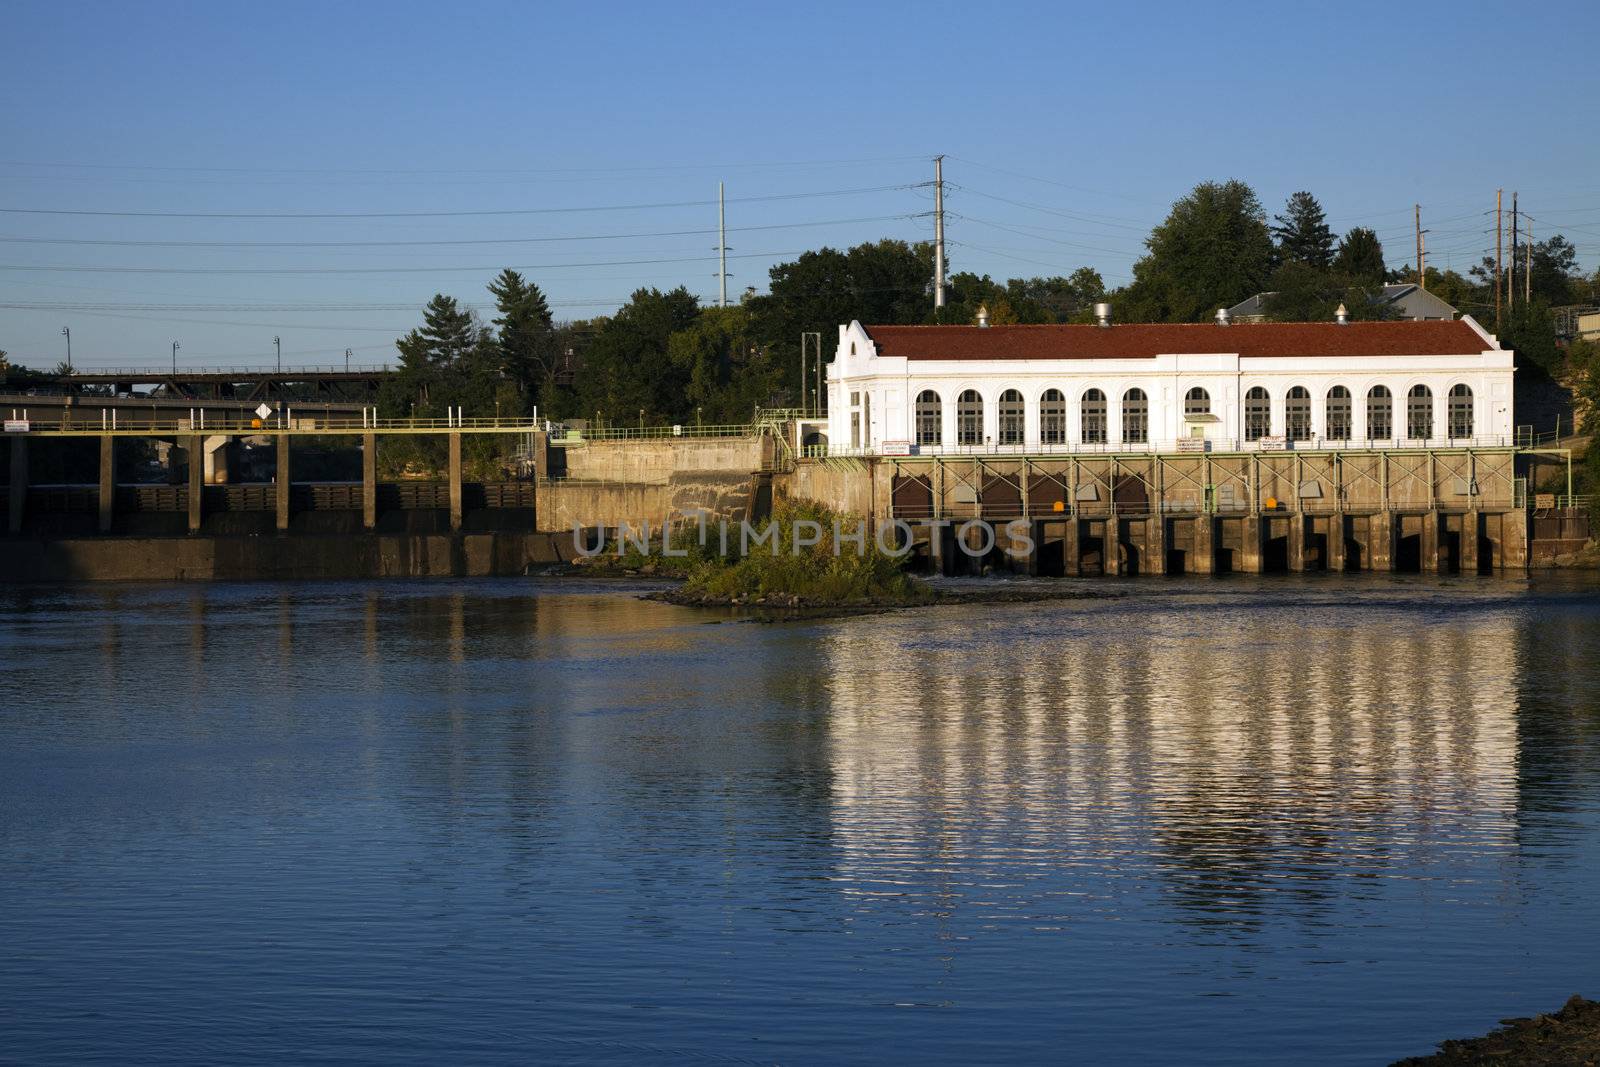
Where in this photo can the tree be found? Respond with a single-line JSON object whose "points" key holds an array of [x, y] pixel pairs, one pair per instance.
{"points": [[448, 347], [727, 374], [526, 334], [1360, 256], [627, 366], [1212, 251], [1302, 293], [1302, 232]]}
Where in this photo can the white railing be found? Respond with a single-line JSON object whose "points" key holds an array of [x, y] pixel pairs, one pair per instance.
{"points": [[1167, 447]]}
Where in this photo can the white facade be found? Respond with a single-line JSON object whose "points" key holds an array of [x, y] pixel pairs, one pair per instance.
{"points": [[873, 400]]}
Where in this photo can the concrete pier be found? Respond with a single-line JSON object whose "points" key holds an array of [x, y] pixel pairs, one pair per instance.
{"points": [[282, 480], [17, 496], [106, 496]]}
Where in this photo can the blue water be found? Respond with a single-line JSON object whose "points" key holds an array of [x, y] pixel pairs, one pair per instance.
{"points": [[1251, 821]]}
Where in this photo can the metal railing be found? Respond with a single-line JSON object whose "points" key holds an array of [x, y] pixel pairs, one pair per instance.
{"points": [[1175, 446], [160, 374]]}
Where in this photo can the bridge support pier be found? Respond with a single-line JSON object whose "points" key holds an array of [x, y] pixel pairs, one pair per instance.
{"points": [[197, 480], [281, 481], [455, 481], [1297, 541], [1336, 545], [18, 496], [1205, 544], [108, 480], [369, 480]]}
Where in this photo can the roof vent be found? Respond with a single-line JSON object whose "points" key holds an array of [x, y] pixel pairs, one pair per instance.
{"points": [[983, 316], [1223, 319], [1341, 315], [1102, 314]]}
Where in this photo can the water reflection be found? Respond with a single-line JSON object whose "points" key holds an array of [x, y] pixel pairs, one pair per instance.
{"points": [[1242, 761], [513, 818]]}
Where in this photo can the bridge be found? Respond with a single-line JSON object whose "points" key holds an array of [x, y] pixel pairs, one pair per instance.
{"points": [[330, 383]]}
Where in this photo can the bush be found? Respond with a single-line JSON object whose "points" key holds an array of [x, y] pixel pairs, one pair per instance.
{"points": [[814, 573]]}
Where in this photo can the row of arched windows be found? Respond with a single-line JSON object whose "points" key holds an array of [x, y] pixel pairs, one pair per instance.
{"points": [[1093, 409]]}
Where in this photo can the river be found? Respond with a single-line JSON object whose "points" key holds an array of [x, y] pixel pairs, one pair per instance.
{"points": [[1236, 821]]}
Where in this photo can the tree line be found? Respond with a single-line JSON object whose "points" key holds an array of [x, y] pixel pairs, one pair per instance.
{"points": [[664, 358]]}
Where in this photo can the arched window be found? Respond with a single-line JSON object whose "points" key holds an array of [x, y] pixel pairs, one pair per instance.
{"points": [[1094, 417], [1197, 402], [1297, 414], [969, 418], [1257, 414], [1053, 417], [1337, 426], [1460, 411], [930, 418], [1419, 413], [1135, 417], [1380, 413], [1011, 417]]}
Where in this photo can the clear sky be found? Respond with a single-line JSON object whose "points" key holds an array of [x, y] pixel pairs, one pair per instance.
{"points": [[1069, 130]]}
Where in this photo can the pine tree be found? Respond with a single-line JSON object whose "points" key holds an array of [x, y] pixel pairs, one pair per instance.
{"points": [[1302, 232], [1360, 256], [449, 336], [525, 331]]}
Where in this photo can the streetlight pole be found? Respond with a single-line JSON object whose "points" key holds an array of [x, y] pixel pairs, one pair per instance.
{"points": [[66, 331], [174, 359], [347, 361], [278, 346]]}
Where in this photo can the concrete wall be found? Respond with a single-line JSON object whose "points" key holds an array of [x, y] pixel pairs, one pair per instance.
{"points": [[658, 461], [269, 558], [561, 504]]}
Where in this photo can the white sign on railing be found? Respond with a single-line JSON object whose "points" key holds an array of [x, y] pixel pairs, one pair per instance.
{"points": [[896, 448], [16, 426], [1274, 444], [1193, 444]]}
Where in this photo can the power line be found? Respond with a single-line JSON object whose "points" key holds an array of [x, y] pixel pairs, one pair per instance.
{"points": [[471, 170], [376, 270], [446, 214], [436, 243]]}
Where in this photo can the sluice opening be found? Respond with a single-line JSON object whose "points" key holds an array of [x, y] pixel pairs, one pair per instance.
{"points": [[1275, 555], [1408, 554]]}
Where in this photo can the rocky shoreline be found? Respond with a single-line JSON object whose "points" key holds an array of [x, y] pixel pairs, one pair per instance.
{"points": [[1567, 1038], [782, 606]]}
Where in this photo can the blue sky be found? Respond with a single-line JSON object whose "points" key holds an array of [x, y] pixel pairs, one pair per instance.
{"points": [[1070, 130]]}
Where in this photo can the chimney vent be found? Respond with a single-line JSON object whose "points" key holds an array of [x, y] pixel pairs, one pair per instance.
{"points": [[1223, 319], [1341, 315], [983, 316], [1102, 314]]}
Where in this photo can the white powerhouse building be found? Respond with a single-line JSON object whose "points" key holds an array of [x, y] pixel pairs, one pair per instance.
{"points": [[1139, 388]]}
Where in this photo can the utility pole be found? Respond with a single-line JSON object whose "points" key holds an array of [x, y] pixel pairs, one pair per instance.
{"points": [[1499, 235], [66, 331], [1511, 267], [722, 249], [1527, 267], [347, 361], [278, 346], [1422, 270], [174, 359], [938, 232]]}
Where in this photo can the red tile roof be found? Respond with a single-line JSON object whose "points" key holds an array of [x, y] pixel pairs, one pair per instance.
{"points": [[1145, 341]]}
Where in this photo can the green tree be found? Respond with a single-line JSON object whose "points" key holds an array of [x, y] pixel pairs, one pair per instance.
{"points": [[1302, 232], [429, 356], [1302, 293], [627, 366], [1212, 251], [877, 283], [526, 334], [727, 374], [1360, 256]]}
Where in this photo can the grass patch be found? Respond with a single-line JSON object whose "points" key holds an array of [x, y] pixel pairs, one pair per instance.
{"points": [[807, 574]]}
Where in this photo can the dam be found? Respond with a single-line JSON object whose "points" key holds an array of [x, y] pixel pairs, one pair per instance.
{"points": [[1470, 510]]}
